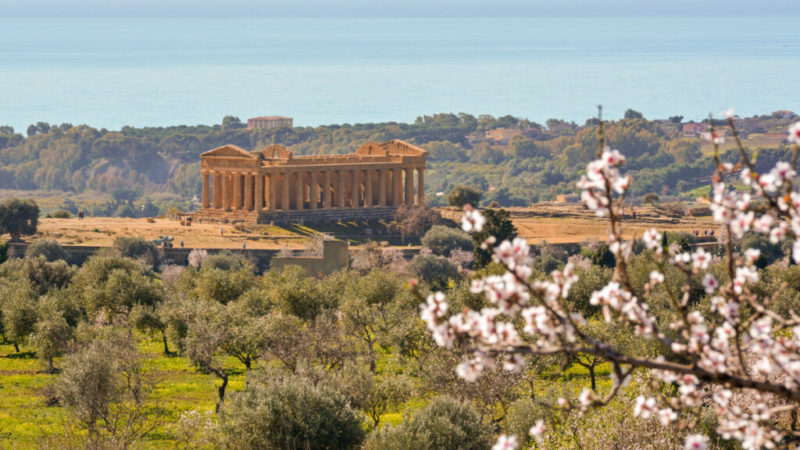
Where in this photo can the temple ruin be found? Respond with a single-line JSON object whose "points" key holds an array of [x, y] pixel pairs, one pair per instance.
{"points": [[273, 185]]}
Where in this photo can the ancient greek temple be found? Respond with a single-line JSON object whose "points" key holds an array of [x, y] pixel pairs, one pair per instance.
{"points": [[273, 185]]}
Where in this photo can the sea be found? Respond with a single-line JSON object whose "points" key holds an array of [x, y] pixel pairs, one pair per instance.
{"points": [[111, 72]]}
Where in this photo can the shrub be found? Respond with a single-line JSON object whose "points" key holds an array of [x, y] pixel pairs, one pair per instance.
{"points": [[769, 252], [443, 240], [444, 424], [434, 270], [137, 248], [3, 251], [50, 249], [223, 261], [650, 198], [290, 415], [463, 195], [61, 214]]}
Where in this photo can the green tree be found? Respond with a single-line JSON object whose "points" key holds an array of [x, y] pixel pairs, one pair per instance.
{"points": [[463, 195], [231, 123], [525, 147], [633, 114], [50, 249], [18, 217], [444, 423], [19, 311], [52, 333], [290, 415], [137, 248], [435, 270], [442, 240], [499, 225], [650, 198], [105, 390]]}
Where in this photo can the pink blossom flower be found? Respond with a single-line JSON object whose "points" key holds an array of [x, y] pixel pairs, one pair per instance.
{"points": [[537, 430], [696, 442], [667, 415], [713, 136], [505, 442], [794, 133], [710, 283], [644, 407], [472, 221]]}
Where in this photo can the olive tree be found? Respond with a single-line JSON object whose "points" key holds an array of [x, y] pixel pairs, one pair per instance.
{"points": [[290, 415], [19, 217]]}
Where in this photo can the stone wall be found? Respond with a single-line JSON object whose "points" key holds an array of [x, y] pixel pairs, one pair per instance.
{"points": [[335, 256]]}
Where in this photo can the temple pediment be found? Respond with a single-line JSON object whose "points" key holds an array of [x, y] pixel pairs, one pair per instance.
{"points": [[398, 147], [229, 151]]}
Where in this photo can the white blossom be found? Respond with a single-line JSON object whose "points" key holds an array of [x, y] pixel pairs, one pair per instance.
{"points": [[505, 442], [537, 430], [696, 442], [644, 407]]}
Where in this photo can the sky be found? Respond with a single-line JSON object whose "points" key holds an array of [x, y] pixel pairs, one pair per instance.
{"points": [[390, 8]]}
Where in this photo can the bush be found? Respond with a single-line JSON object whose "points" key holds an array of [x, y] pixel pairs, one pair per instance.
{"points": [[444, 424], [49, 248], [223, 261], [769, 252], [3, 251], [290, 415], [463, 195], [437, 271], [650, 198], [137, 248], [61, 214], [442, 240]]}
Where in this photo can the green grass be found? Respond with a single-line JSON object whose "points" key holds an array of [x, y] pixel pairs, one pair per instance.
{"points": [[25, 418]]}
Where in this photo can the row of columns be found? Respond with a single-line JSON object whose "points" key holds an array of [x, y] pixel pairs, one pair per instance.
{"points": [[303, 189]]}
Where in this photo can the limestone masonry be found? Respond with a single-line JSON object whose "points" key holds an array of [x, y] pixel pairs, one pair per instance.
{"points": [[273, 185]]}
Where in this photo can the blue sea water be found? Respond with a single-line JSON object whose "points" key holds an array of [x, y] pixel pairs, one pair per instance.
{"points": [[121, 71]]}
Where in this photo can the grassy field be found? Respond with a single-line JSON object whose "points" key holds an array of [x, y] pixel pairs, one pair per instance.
{"points": [[753, 142], [101, 231], [538, 223], [25, 417]]}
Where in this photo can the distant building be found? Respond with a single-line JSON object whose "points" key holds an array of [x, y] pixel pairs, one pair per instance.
{"points": [[269, 122], [502, 135], [567, 198], [694, 129], [784, 114]]}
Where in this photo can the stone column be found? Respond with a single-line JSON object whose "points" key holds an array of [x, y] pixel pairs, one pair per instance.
{"points": [[226, 191], [237, 191], [314, 189], [368, 189], [420, 185], [381, 187], [249, 190], [300, 196], [409, 200], [397, 186], [326, 189], [259, 193], [206, 191], [340, 190], [285, 192], [356, 187], [218, 189], [273, 186]]}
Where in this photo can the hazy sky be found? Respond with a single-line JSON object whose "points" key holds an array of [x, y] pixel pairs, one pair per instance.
{"points": [[392, 8]]}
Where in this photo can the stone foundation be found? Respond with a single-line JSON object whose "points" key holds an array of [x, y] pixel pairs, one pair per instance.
{"points": [[308, 216]]}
